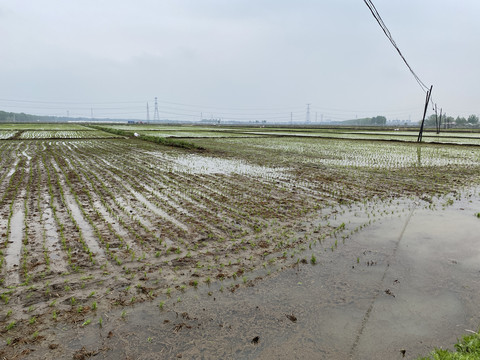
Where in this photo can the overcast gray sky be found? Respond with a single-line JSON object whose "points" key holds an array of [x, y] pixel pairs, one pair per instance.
{"points": [[239, 59]]}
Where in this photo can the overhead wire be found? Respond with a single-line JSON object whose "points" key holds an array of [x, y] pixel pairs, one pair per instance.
{"points": [[387, 33]]}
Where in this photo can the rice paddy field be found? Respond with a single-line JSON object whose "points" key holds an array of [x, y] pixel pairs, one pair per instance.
{"points": [[94, 218]]}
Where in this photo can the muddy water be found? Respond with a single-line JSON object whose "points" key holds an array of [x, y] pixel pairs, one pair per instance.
{"points": [[52, 241], [405, 283], [87, 231], [14, 248]]}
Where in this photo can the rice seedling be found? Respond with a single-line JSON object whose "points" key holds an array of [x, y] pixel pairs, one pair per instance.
{"points": [[10, 325]]}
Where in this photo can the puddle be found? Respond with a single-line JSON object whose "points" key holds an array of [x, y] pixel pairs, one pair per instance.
{"points": [[24, 153], [87, 231], [14, 248], [12, 170], [57, 263], [412, 282], [197, 164]]}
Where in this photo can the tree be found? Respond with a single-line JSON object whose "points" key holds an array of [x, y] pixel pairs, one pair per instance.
{"points": [[430, 121], [379, 120], [460, 121], [473, 119]]}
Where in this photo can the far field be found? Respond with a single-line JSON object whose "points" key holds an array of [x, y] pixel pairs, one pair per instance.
{"points": [[94, 218]]}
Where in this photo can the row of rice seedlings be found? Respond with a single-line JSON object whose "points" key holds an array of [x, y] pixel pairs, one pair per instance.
{"points": [[163, 201], [5, 134], [81, 238], [227, 196], [60, 225], [90, 170], [39, 206], [113, 196], [182, 188], [184, 184], [118, 177], [123, 178], [64, 134], [98, 233]]}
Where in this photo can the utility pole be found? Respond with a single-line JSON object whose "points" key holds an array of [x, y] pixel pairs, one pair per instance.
{"points": [[148, 113], [308, 114], [156, 116], [91, 113], [427, 100], [291, 118]]}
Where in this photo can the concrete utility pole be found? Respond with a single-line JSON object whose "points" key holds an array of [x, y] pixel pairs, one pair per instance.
{"points": [[148, 113], [308, 114], [291, 118]]}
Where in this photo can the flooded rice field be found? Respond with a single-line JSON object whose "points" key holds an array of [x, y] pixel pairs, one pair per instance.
{"points": [[249, 248]]}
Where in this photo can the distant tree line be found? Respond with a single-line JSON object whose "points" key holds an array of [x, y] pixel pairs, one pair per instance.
{"points": [[373, 121], [22, 117], [472, 120]]}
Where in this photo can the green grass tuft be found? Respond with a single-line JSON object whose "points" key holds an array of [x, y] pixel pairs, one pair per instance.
{"points": [[468, 348]]}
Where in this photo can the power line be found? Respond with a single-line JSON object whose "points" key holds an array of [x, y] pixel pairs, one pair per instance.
{"points": [[387, 33]]}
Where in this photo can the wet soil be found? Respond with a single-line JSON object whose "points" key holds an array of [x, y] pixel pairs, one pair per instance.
{"points": [[394, 290]]}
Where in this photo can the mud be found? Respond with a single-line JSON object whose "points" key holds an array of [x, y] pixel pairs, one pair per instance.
{"points": [[414, 286]]}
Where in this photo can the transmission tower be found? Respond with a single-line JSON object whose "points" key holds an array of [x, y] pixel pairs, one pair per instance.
{"points": [[156, 116], [308, 114], [148, 113]]}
